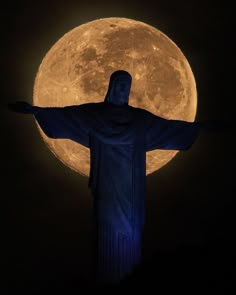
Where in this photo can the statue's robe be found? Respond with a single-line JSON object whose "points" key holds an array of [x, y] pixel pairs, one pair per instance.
{"points": [[118, 138]]}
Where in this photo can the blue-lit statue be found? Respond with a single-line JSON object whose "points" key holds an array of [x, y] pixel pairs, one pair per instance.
{"points": [[118, 137]]}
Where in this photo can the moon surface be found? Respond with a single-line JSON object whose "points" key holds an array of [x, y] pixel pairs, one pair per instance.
{"points": [[78, 66]]}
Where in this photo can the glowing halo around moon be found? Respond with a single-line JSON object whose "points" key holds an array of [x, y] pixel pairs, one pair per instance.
{"points": [[77, 69]]}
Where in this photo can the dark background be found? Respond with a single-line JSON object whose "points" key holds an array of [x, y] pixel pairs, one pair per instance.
{"points": [[190, 225]]}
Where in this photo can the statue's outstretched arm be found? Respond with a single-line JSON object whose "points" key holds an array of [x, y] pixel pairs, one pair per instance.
{"points": [[68, 122], [21, 107]]}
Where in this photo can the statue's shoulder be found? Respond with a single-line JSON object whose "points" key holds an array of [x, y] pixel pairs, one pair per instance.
{"points": [[139, 111], [90, 106]]}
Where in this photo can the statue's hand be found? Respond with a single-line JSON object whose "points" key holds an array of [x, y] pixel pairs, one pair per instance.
{"points": [[21, 107]]}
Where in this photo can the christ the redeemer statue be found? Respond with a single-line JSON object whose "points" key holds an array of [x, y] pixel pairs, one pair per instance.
{"points": [[118, 136]]}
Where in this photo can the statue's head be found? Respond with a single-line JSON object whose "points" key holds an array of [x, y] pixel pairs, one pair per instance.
{"points": [[119, 88]]}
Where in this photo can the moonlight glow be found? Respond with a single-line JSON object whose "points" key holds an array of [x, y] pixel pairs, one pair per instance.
{"points": [[77, 69]]}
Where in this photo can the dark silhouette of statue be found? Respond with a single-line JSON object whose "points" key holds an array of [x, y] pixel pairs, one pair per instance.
{"points": [[118, 136]]}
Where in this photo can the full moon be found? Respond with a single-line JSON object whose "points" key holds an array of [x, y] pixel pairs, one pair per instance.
{"points": [[78, 66]]}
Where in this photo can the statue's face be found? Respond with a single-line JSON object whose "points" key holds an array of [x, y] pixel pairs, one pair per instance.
{"points": [[121, 91]]}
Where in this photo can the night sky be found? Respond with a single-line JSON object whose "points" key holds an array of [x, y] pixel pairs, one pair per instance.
{"points": [[48, 233]]}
